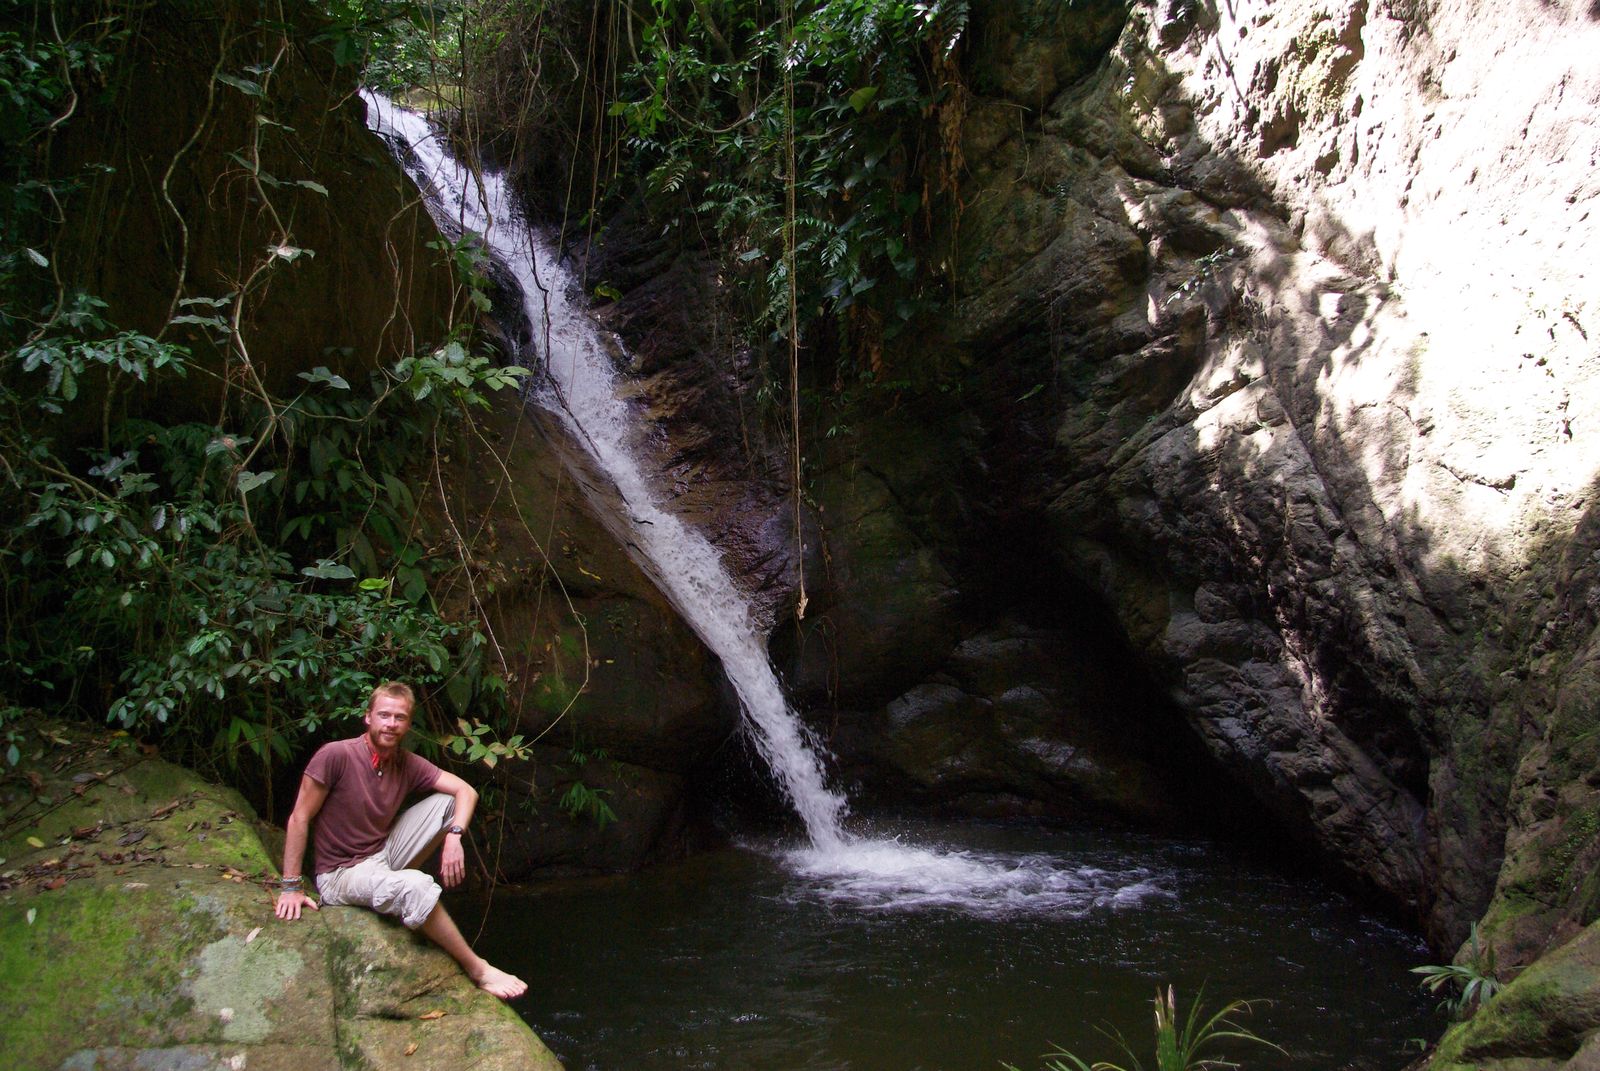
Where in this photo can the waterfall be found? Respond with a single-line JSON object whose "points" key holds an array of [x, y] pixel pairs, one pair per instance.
{"points": [[578, 384]]}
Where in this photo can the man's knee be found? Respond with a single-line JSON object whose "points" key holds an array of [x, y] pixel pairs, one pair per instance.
{"points": [[418, 829], [409, 895]]}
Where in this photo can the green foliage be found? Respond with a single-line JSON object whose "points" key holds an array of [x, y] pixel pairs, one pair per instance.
{"points": [[1179, 1041], [1465, 985], [399, 44], [720, 95], [229, 585], [579, 799], [475, 744], [236, 587]]}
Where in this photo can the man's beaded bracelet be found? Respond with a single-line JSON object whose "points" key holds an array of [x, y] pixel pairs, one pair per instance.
{"points": [[289, 884]]}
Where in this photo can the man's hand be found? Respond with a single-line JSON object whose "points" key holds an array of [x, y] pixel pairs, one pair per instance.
{"points": [[290, 901], [452, 861], [313, 794]]}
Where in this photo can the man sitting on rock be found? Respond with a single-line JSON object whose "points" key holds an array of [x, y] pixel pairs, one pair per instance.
{"points": [[353, 789]]}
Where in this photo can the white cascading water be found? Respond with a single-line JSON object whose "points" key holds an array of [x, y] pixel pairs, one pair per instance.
{"points": [[579, 384]]}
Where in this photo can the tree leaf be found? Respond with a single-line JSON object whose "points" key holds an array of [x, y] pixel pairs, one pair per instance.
{"points": [[249, 481], [243, 85], [321, 374], [326, 569]]}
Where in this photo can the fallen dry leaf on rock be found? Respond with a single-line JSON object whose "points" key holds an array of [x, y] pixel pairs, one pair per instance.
{"points": [[435, 1014]]}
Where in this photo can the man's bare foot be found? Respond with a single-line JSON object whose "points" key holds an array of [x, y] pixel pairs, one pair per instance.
{"points": [[497, 982]]}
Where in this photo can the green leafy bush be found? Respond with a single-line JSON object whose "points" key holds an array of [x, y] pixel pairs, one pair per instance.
{"points": [[234, 587], [811, 146]]}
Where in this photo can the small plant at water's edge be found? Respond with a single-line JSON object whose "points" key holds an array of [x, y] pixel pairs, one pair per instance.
{"points": [[1472, 980], [1178, 1042]]}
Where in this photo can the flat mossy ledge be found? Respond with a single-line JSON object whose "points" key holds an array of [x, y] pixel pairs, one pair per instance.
{"points": [[136, 930]]}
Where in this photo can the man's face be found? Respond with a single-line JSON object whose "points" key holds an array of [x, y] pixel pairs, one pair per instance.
{"points": [[388, 722]]}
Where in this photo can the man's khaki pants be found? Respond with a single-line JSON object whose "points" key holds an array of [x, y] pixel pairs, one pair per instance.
{"points": [[384, 881]]}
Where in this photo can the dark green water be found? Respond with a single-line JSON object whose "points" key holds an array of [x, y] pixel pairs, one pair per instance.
{"points": [[731, 961]]}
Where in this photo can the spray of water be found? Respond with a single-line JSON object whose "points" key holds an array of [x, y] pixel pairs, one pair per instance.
{"points": [[578, 384]]}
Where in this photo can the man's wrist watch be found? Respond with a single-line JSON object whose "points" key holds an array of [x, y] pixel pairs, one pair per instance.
{"points": [[457, 830]]}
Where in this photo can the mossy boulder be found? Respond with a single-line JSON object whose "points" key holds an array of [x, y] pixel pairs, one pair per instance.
{"points": [[1543, 1019], [136, 931]]}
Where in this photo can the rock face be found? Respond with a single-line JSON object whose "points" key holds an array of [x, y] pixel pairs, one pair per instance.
{"points": [[1023, 720], [1545, 1020], [141, 935], [1311, 326], [1272, 339], [1273, 332], [710, 451]]}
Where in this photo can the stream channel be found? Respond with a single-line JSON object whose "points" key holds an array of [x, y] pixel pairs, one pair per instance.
{"points": [[935, 947]]}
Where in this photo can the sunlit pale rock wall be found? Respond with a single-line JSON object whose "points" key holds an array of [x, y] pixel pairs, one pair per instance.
{"points": [[1437, 163], [1295, 299], [1448, 152]]}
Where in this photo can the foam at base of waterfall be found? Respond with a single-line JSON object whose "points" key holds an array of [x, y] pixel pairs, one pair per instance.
{"points": [[888, 875]]}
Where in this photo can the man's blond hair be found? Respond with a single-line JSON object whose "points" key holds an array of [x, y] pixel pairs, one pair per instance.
{"points": [[394, 689]]}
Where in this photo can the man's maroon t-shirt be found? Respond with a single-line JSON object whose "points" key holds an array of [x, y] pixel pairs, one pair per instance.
{"points": [[361, 805]]}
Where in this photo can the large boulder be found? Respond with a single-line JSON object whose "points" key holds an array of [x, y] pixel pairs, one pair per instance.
{"points": [[137, 931], [1028, 721], [1547, 1019]]}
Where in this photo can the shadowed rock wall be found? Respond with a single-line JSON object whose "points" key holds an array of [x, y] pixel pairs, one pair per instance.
{"points": [[1270, 317], [1269, 354], [1300, 282]]}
